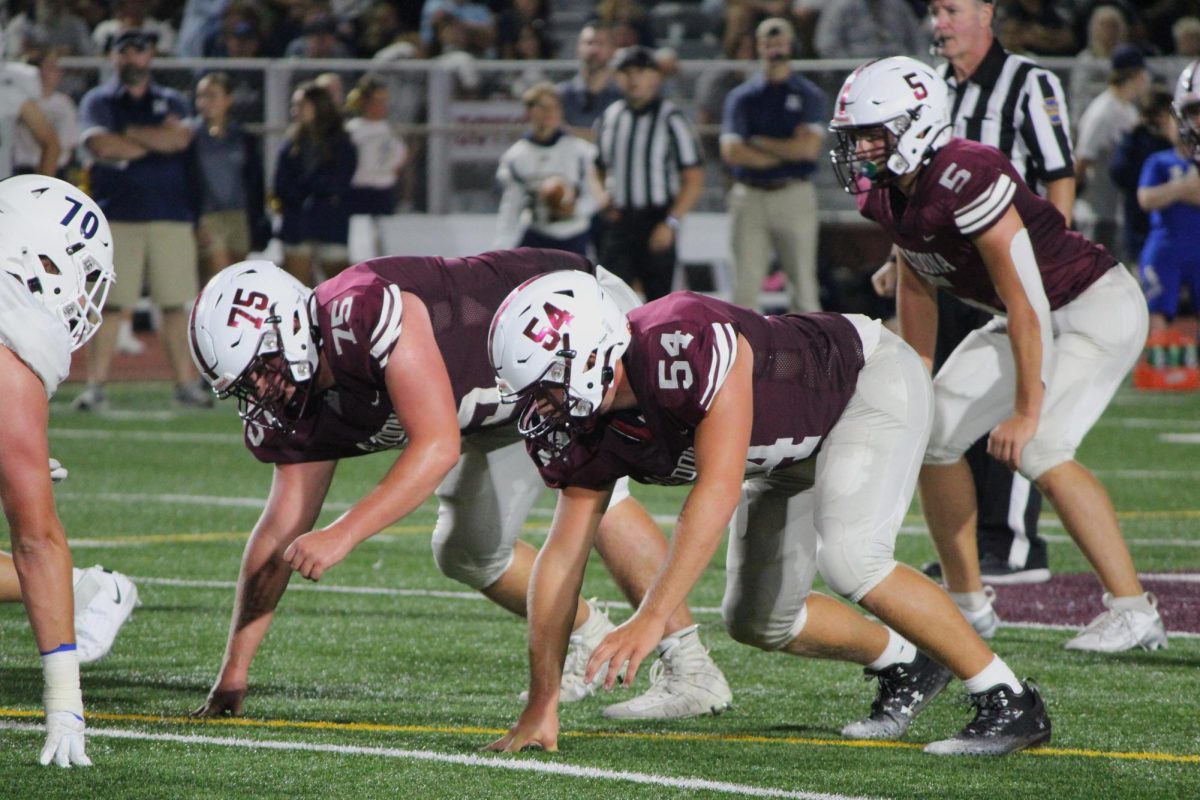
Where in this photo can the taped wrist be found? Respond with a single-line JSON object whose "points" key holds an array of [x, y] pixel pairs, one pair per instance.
{"points": [[60, 672]]}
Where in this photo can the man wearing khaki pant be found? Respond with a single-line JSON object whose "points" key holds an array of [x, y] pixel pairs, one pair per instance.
{"points": [[771, 134]]}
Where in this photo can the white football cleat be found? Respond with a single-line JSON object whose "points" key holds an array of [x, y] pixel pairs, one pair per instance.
{"points": [[1120, 629], [984, 620], [684, 682], [583, 641], [103, 602]]}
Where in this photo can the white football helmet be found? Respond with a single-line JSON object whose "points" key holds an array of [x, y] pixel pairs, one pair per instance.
{"points": [[1186, 107], [55, 240], [899, 102], [554, 342], [252, 335]]}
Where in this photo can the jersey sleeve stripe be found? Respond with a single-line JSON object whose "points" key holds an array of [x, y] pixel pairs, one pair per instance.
{"points": [[387, 330], [723, 352], [999, 198]]}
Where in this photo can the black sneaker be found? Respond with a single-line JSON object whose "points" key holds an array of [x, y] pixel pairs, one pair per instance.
{"points": [[1004, 723], [904, 689], [996, 570]]}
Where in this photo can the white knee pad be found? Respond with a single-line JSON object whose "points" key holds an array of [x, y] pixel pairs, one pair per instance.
{"points": [[853, 567], [1039, 457], [467, 559], [764, 632]]}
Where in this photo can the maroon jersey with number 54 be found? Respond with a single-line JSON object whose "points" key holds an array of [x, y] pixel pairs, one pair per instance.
{"points": [[964, 190], [681, 349], [360, 315]]}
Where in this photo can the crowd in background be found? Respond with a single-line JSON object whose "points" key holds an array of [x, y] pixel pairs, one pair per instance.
{"points": [[341, 156]]}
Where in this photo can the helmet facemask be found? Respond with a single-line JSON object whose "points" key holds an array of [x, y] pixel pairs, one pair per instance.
{"points": [[272, 393], [1186, 117], [863, 170], [554, 413], [74, 293]]}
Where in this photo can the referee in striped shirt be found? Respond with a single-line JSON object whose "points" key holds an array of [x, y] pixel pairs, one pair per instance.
{"points": [[1011, 103], [649, 160]]}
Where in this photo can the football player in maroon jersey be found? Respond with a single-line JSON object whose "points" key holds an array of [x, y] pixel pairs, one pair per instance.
{"points": [[392, 354], [1070, 323], [806, 430]]}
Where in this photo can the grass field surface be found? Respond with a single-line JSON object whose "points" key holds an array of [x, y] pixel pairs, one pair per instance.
{"points": [[385, 679]]}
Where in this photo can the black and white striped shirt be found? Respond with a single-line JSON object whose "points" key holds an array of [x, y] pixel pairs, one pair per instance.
{"points": [[642, 152], [1016, 106]]}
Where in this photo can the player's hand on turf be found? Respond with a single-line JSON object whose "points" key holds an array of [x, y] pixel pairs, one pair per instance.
{"points": [[537, 729], [64, 741], [314, 553], [223, 703], [631, 642], [58, 473], [1009, 438]]}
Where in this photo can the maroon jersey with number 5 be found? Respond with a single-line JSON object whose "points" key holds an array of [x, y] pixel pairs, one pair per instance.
{"points": [[964, 190], [681, 349], [360, 315]]}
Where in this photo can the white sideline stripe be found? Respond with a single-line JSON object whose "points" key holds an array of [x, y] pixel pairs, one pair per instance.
{"points": [[146, 436], [448, 595], [1148, 422], [490, 762], [1179, 438], [183, 499]]}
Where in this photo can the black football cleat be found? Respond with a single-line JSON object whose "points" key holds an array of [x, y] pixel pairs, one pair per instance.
{"points": [[1004, 723], [904, 690]]}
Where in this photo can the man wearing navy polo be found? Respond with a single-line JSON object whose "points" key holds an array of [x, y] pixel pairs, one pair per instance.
{"points": [[133, 131], [771, 133]]}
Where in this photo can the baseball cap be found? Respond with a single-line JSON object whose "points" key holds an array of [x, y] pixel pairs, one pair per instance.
{"points": [[134, 37], [774, 26], [635, 57], [1127, 56]]}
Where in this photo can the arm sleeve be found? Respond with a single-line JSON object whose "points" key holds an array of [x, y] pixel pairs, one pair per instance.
{"points": [[684, 136]]}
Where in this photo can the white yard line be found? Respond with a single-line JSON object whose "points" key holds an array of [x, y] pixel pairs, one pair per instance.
{"points": [[487, 762]]}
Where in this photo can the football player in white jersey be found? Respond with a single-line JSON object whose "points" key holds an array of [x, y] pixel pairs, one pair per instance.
{"points": [[55, 272]]}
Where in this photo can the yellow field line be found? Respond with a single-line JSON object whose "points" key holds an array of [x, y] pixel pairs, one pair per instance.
{"points": [[459, 730]]}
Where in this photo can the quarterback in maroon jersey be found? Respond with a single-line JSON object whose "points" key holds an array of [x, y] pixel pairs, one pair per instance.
{"points": [[806, 430], [1070, 323], [391, 354]]}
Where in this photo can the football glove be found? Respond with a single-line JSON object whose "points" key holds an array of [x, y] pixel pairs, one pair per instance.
{"points": [[64, 741]]}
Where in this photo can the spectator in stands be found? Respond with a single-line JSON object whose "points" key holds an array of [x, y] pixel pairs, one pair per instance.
{"points": [[627, 21], [742, 17], [1148, 137], [312, 180], [548, 180], [59, 109], [49, 25], [134, 15], [771, 133], [1035, 26], [1106, 119], [134, 132], [868, 29], [644, 207], [1160, 16], [520, 18], [474, 20], [381, 155], [378, 27], [1186, 33], [200, 23], [593, 89], [20, 107], [229, 171], [240, 34], [319, 39], [1107, 30]]}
